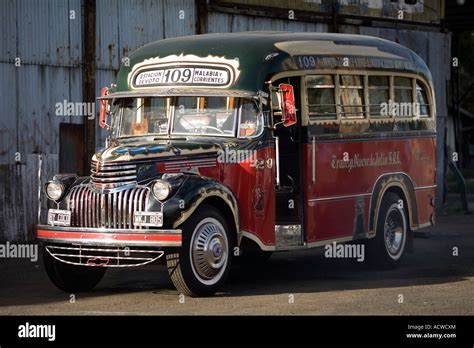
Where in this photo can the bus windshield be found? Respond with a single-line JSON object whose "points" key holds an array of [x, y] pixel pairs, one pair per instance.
{"points": [[209, 116]]}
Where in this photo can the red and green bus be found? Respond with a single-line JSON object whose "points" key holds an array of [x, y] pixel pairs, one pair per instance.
{"points": [[227, 147]]}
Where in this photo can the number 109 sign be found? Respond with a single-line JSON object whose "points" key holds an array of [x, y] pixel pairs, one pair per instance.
{"points": [[175, 76]]}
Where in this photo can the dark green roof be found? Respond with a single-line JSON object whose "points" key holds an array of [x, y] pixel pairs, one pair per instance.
{"points": [[262, 54]]}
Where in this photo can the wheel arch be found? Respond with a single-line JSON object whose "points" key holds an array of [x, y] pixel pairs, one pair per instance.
{"points": [[208, 191], [402, 185]]}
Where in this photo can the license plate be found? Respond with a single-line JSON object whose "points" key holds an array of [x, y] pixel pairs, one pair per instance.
{"points": [[59, 217], [154, 219]]}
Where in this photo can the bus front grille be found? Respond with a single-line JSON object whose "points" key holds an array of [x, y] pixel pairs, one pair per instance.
{"points": [[110, 210], [109, 175]]}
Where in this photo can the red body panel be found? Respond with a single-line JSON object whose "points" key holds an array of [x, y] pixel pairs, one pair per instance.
{"points": [[330, 213]]}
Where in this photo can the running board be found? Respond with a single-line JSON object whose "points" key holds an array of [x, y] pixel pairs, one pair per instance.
{"points": [[288, 236]]}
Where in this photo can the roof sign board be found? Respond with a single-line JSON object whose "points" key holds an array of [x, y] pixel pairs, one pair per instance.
{"points": [[184, 70]]}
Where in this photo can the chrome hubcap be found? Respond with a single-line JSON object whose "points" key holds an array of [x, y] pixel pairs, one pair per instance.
{"points": [[394, 231], [209, 251]]}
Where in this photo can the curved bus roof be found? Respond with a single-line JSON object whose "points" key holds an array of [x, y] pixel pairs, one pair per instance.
{"points": [[260, 55]]}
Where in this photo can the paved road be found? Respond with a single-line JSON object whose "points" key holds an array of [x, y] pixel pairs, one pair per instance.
{"points": [[431, 281]]}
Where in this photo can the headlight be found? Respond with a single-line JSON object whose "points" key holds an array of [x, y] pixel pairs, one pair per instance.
{"points": [[54, 190], [161, 190]]}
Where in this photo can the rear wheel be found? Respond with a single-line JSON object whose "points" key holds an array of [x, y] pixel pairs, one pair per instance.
{"points": [[201, 265], [387, 248], [70, 278]]}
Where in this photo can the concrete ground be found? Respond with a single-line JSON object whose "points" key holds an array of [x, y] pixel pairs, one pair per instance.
{"points": [[431, 281]]}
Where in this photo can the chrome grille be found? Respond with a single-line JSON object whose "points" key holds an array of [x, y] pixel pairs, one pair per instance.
{"points": [[113, 174], [104, 256], [110, 210]]}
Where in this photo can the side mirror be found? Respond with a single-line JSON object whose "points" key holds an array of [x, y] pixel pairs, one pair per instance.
{"points": [[104, 105], [287, 104]]}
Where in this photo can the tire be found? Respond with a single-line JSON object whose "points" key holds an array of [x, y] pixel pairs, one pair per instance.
{"points": [[387, 248], [202, 264], [70, 278]]}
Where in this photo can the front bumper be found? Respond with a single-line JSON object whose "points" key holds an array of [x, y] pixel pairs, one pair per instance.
{"points": [[109, 236]]}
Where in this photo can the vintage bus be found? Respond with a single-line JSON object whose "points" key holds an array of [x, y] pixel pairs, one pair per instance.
{"points": [[228, 147]]}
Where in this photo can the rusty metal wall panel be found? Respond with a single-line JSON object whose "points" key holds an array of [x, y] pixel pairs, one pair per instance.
{"points": [[125, 25], [431, 11], [42, 87], [12, 216], [223, 22], [107, 34], [179, 18], [8, 32], [19, 185], [46, 32], [8, 116]]}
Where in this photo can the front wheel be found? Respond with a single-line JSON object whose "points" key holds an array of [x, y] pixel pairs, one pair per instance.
{"points": [[201, 265], [70, 278], [388, 246]]}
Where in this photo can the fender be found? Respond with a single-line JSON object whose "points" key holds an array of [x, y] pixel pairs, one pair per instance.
{"points": [[193, 191], [392, 180]]}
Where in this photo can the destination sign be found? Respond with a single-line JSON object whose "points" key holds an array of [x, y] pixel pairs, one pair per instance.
{"points": [[183, 75], [325, 62]]}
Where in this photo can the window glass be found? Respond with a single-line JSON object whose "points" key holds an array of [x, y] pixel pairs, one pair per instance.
{"points": [[403, 97], [204, 115], [379, 94], [251, 121], [352, 96], [321, 101], [422, 100], [142, 116]]}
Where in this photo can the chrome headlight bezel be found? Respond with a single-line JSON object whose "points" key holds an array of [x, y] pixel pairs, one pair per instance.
{"points": [[60, 189], [161, 190]]}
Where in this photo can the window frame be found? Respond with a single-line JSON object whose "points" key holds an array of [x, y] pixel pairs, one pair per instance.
{"points": [[334, 87], [364, 102], [414, 78]]}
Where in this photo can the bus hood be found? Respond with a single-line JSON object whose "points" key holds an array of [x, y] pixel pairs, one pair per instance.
{"points": [[149, 150]]}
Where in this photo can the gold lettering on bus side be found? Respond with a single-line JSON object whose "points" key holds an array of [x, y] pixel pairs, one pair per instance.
{"points": [[377, 159]]}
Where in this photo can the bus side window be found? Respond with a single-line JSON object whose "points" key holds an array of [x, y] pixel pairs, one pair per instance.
{"points": [[422, 100], [379, 94], [321, 99], [251, 121], [352, 96], [403, 94]]}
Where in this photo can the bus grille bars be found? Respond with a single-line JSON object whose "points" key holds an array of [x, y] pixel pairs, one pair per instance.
{"points": [[113, 174], [90, 208]]}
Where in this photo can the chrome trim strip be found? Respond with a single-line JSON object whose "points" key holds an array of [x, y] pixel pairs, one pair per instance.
{"points": [[425, 187], [112, 173], [105, 230], [338, 197], [328, 241], [423, 225], [130, 201], [113, 179], [257, 240], [124, 211]]}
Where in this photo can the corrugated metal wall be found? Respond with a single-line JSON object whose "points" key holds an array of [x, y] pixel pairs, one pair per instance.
{"points": [[47, 45], [50, 46]]}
